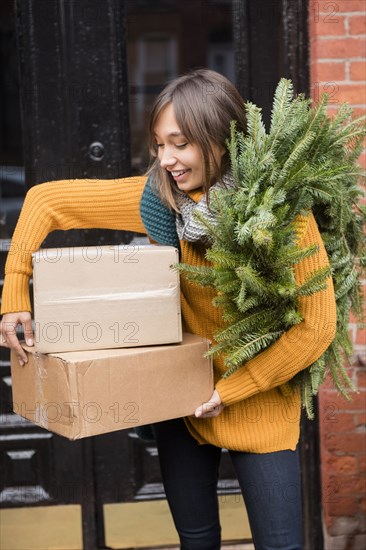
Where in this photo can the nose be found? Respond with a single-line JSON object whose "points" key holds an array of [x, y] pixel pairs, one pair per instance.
{"points": [[166, 157]]}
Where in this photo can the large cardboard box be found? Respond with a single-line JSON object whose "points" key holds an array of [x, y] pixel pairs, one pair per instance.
{"points": [[105, 297], [79, 394]]}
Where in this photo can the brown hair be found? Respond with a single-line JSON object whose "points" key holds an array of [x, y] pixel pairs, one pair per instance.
{"points": [[204, 103]]}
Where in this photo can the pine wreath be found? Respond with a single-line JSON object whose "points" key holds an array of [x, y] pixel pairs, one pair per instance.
{"points": [[306, 162]]}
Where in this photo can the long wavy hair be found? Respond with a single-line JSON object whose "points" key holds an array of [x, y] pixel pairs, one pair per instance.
{"points": [[204, 103]]}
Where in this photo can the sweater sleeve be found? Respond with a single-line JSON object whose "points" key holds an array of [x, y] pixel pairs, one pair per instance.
{"points": [[66, 204], [297, 348]]}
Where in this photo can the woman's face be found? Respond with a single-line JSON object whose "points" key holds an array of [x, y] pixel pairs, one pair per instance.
{"points": [[183, 160]]}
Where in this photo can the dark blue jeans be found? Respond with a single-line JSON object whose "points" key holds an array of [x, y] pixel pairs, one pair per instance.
{"points": [[270, 484]]}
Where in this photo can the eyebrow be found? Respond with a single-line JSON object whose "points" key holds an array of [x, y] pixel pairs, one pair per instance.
{"points": [[172, 134]]}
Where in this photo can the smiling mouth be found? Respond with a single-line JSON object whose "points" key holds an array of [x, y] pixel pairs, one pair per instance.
{"points": [[177, 173]]}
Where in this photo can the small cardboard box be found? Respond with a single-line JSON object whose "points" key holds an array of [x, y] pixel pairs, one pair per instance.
{"points": [[103, 297], [79, 394]]}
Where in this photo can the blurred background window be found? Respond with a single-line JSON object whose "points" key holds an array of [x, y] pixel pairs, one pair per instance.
{"points": [[165, 39]]}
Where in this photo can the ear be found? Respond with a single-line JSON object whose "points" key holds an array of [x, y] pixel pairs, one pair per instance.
{"points": [[219, 150]]}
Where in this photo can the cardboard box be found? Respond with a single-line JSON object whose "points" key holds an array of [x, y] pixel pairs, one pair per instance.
{"points": [[104, 297], [79, 394]]}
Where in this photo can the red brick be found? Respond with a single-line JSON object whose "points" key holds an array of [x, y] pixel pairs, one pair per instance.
{"points": [[361, 419], [351, 93], [342, 464], [345, 506], [360, 428], [345, 422], [357, 24], [327, 386], [325, 457], [326, 25], [313, 43], [358, 401], [361, 379], [328, 520], [333, 422], [343, 48], [352, 330], [352, 318], [329, 72], [330, 403], [332, 10], [346, 442], [357, 70], [361, 463], [361, 336], [344, 6], [363, 505], [352, 485], [334, 404], [342, 485], [327, 477], [331, 490]]}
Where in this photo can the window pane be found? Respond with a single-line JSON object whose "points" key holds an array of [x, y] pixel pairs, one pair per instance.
{"points": [[165, 39]]}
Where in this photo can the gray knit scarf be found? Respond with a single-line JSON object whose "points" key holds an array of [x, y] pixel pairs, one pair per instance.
{"points": [[188, 225]]}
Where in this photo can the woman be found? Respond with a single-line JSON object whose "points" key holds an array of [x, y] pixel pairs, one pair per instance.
{"points": [[247, 413]]}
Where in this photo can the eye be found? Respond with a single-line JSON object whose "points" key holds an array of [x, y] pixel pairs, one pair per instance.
{"points": [[181, 145], [159, 145]]}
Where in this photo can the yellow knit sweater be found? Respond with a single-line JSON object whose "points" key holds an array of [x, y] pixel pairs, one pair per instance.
{"points": [[257, 416]]}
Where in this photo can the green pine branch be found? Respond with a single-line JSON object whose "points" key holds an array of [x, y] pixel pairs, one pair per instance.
{"points": [[305, 162]]}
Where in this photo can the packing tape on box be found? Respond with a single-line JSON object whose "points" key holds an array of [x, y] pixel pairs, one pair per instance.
{"points": [[39, 379], [114, 296]]}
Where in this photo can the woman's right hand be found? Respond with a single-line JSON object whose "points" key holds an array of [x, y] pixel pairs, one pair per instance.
{"points": [[8, 336]]}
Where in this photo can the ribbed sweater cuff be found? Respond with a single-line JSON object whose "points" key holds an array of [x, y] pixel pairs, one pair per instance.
{"points": [[15, 293], [231, 391]]}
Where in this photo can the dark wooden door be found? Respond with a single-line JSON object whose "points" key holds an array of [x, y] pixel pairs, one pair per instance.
{"points": [[88, 73]]}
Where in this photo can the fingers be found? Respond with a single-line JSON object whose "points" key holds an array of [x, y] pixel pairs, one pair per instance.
{"points": [[208, 410], [11, 341], [28, 332], [3, 342], [211, 408], [8, 333]]}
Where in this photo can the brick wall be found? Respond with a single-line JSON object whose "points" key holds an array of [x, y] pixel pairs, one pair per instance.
{"points": [[338, 67]]}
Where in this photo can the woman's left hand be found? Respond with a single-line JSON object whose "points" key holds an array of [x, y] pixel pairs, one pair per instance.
{"points": [[213, 407]]}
